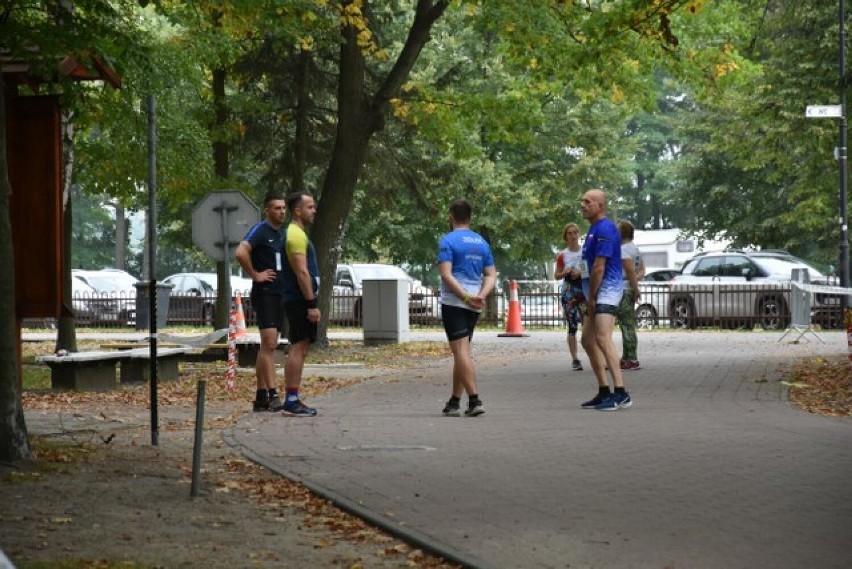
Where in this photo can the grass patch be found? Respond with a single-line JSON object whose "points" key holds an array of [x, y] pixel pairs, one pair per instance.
{"points": [[35, 376], [351, 351]]}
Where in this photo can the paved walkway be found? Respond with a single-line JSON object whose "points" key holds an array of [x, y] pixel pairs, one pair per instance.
{"points": [[710, 468]]}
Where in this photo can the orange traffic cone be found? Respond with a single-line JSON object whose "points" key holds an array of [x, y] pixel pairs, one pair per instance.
{"points": [[514, 328], [241, 331]]}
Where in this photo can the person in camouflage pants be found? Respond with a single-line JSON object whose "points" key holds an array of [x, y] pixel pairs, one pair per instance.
{"points": [[633, 269]]}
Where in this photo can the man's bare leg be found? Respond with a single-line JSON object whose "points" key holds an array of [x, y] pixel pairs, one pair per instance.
{"points": [[604, 326], [464, 373], [295, 364], [596, 357], [265, 365]]}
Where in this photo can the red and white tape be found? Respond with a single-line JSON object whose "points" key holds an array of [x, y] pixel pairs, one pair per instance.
{"points": [[232, 352]]}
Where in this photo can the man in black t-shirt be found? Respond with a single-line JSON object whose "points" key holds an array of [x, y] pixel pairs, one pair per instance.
{"points": [[260, 256]]}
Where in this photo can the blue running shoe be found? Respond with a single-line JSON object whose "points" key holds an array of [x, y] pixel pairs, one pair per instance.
{"points": [[615, 402], [593, 402], [298, 409], [608, 404], [623, 400]]}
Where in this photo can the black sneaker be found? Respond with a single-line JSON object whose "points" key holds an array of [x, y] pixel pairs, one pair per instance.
{"points": [[275, 404], [475, 409], [593, 402], [297, 409], [577, 365], [451, 409], [261, 405]]}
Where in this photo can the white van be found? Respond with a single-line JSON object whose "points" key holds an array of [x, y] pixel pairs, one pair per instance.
{"points": [[671, 248]]}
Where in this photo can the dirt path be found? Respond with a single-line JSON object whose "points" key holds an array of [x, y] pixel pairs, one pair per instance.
{"points": [[100, 495]]}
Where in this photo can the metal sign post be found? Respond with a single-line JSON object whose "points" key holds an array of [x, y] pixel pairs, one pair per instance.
{"points": [[236, 214], [841, 158], [152, 270]]}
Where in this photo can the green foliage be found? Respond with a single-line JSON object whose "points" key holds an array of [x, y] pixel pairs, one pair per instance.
{"points": [[92, 233], [518, 106], [113, 143], [756, 167]]}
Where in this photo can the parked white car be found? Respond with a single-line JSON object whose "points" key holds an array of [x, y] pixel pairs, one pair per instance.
{"points": [[112, 298], [81, 296], [349, 288]]}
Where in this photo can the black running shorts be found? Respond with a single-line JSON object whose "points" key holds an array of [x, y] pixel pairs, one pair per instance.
{"points": [[300, 328], [458, 322], [269, 309]]}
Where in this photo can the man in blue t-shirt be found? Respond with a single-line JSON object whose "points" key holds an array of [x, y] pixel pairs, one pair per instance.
{"points": [[468, 276], [603, 287], [259, 254]]}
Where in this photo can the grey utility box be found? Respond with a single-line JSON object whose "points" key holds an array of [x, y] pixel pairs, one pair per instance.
{"points": [[385, 311]]}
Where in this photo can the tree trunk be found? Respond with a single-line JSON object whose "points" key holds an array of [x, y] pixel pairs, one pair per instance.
{"points": [[221, 167], [656, 214], [120, 237], [347, 159], [13, 427], [359, 117], [66, 332], [303, 107]]}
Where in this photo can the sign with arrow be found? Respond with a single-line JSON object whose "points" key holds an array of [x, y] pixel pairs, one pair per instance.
{"points": [[824, 111]]}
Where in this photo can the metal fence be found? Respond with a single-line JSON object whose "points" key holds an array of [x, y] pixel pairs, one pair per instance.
{"points": [[732, 305], [671, 305]]}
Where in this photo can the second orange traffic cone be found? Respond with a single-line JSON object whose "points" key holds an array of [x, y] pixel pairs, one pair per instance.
{"points": [[241, 331], [514, 328]]}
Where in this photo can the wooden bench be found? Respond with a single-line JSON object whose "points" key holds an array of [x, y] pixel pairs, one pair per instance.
{"points": [[247, 350], [95, 370]]}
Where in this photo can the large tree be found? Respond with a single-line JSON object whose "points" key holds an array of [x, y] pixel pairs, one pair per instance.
{"points": [[591, 61], [13, 429], [360, 114]]}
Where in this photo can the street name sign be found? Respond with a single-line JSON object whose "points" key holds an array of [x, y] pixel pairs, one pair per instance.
{"points": [[823, 111]]}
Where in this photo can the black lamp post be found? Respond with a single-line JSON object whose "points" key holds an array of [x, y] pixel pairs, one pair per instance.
{"points": [[841, 156]]}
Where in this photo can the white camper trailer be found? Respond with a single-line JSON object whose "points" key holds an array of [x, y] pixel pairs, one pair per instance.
{"points": [[671, 248]]}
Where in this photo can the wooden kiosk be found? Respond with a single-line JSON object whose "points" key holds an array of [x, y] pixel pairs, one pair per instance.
{"points": [[34, 156]]}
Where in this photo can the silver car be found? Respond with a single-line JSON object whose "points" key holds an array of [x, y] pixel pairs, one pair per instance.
{"points": [[735, 288], [193, 296]]}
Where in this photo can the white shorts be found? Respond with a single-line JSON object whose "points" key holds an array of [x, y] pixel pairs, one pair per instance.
{"points": [[606, 294]]}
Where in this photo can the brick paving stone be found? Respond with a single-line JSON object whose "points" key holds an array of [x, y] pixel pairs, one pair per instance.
{"points": [[710, 468]]}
